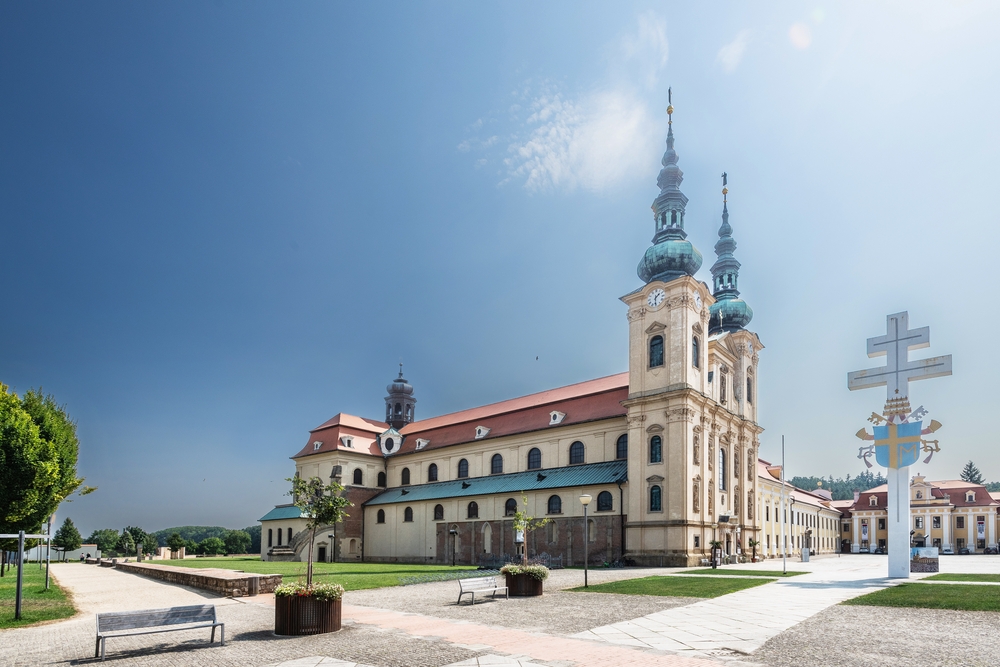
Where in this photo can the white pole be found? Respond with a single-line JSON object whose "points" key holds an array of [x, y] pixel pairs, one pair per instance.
{"points": [[784, 556], [48, 546]]}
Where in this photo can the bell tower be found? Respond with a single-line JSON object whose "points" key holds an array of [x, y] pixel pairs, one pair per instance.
{"points": [[400, 404]]}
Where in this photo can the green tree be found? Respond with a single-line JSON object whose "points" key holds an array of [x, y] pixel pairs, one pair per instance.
{"points": [[29, 469], [212, 546], [149, 544], [138, 534], [972, 474], [191, 546], [106, 539], [524, 523], [254, 533], [56, 427], [237, 542], [126, 545], [323, 504], [176, 542], [67, 538]]}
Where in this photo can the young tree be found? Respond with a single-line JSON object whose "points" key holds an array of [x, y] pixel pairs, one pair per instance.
{"points": [[323, 506], [138, 534], [254, 533], [149, 544], [106, 539], [29, 469], [176, 542], [67, 538], [524, 523], [126, 545], [237, 542], [972, 474], [211, 546]]}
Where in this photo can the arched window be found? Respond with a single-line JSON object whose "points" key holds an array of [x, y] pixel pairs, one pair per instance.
{"points": [[380, 517], [655, 351], [695, 352], [399, 409], [487, 539], [510, 507], [280, 533], [655, 449], [439, 513], [621, 447], [555, 505], [534, 458], [352, 547], [749, 389], [432, 472], [552, 531], [496, 465], [408, 514], [359, 476], [270, 537], [722, 469], [381, 479], [473, 511], [463, 469], [655, 501], [576, 453], [405, 476], [289, 536], [605, 501], [873, 501]]}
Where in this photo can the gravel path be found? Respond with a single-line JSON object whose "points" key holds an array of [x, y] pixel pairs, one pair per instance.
{"points": [[856, 636]]}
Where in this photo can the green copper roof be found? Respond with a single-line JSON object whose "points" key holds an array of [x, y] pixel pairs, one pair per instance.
{"points": [[283, 512], [608, 472]]}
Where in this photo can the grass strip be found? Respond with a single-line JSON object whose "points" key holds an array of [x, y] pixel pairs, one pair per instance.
{"points": [[773, 574], [933, 596], [673, 586], [352, 576], [995, 578], [37, 604]]}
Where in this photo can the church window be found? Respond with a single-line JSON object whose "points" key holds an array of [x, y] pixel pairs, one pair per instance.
{"points": [[722, 389], [473, 510], [655, 351], [970, 496], [439, 513], [405, 476], [389, 444], [510, 507], [381, 479], [576, 453], [380, 517], [399, 409], [555, 505], [409, 411], [280, 533], [534, 458], [767, 512], [605, 501], [959, 522], [432, 472], [935, 522], [655, 449], [408, 514], [289, 535], [918, 522], [463, 469], [655, 500], [496, 465], [873, 501], [697, 541], [359, 477], [621, 447], [722, 469], [270, 537], [749, 389], [695, 352]]}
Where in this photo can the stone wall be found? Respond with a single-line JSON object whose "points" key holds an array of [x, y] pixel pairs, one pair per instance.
{"points": [[223, 582]]}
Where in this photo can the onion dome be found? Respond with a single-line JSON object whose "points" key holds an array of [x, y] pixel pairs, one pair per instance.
{"points": [[400, 405], [671, 255], [729, 312]]}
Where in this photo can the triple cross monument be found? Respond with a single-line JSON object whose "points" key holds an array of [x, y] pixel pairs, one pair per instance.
{"points": [[897, 437]]}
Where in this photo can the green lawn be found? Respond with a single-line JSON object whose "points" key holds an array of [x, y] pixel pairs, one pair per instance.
{"points": [[352, 576], [672, 586], [37, 604], [963, 597], [967, 577], [774, 574]]}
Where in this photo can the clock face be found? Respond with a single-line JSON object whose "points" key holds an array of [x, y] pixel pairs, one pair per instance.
{"points": [[656, 297], [697, 300]]}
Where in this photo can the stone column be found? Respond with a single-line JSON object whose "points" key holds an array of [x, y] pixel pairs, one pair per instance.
{"points": [[898, 523], [971, 522], [946, 537], [991, 527], [856, 536]]}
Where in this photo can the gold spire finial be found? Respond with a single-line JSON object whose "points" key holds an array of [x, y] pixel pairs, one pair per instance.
{"points": [[670, 106], [725, 190]]}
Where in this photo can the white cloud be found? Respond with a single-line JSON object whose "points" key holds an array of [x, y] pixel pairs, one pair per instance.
{"points": [[800, 35], [731, 54]]}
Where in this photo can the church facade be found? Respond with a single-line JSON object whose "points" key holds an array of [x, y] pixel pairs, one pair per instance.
{"points": [[666, 450]]}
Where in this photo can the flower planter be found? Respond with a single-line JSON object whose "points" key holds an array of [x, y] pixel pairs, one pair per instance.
{"points": [[305, 615], [523, 585]]}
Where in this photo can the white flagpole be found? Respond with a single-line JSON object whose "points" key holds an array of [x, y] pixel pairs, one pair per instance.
{"points": [[784, 555]]}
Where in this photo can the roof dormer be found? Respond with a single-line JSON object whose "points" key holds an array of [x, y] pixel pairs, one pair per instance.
{"points": [[556, 417], [482, 432]]}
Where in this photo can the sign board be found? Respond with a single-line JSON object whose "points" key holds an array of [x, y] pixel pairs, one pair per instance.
{"points": [[923, 559], [519, 536]]}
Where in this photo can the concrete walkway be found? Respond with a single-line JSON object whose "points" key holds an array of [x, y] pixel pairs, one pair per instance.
{"points": [[741, 622]]}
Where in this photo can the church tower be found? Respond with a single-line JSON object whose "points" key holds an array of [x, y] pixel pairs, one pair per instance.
{"points": [[400, 403]]}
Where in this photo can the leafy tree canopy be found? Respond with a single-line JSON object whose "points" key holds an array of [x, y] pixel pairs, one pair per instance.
{"points": [[254, 533], [212, 546], [149, 544], [106, 539], [176, 542], [237, 542], [972, 474], [842, 489], [195, 533], [126, 545]]}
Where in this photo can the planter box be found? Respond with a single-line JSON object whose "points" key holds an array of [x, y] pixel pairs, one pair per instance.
{"points": [[522, 585], [302, 615]]}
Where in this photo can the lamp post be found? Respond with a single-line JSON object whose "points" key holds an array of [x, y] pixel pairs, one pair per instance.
{"points": [[454, 539], [330, 535], [714, 540], [585, 500]]}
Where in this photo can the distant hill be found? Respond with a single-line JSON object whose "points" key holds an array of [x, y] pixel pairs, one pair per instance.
{"points": [[201, 533]]}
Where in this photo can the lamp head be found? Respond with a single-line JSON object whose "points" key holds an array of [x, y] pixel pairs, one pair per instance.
{"points": [[585, 499]]}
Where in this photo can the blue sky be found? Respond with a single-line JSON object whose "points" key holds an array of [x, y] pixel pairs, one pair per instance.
{"points": [[222, 223]]}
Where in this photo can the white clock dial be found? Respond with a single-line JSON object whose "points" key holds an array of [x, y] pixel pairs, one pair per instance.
{"points": [[697, 300], [656, 297]]}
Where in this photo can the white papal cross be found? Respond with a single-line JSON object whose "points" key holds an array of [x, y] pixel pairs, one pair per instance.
{"points": [[899, 370]]}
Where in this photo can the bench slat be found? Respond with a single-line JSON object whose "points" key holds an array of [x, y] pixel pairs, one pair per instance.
{"points": [[147, 618]]}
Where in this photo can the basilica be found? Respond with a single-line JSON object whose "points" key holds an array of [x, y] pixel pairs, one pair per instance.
{"points": [[667, 451]]}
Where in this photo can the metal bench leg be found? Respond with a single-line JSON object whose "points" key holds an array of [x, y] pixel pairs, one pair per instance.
{"points": [[222, 634], [97, 648], [104, 643], [212, 640]]}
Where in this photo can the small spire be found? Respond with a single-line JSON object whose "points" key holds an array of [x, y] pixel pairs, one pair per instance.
{"points": [[401, 369], [670, 106], [731, 312]]}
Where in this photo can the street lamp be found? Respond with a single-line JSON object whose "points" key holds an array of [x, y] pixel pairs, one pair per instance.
{"points": [[585, 500], [454, 545], [330, 535], [714, 540]]}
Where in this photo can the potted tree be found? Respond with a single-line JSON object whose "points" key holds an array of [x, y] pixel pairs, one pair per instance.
{"points": [[307, 608], [716, 552], [524, 579], [753, 545]]}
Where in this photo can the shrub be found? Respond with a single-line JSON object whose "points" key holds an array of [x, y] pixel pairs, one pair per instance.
{"points": [[319, 591], [539, 572]]}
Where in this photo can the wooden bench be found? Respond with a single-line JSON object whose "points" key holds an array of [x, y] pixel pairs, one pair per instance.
{"points": [[475, 585], [122, 623]]}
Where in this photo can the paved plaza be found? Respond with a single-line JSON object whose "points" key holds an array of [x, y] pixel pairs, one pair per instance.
{"points": [[788, 622]]}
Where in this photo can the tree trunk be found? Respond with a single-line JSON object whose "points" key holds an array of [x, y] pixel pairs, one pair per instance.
{"points": [[309, 567]]}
